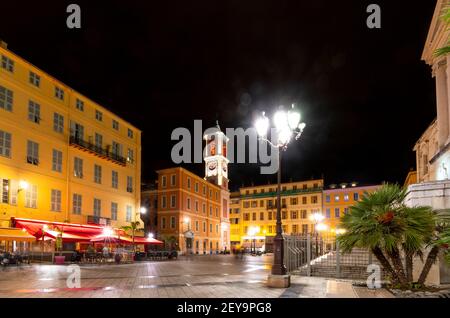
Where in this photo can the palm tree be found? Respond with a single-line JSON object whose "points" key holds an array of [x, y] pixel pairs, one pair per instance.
{"points": [[133, 227], [439, 241], [383, 223]]}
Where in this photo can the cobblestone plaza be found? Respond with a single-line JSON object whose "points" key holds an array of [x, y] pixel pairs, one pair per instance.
{"points": [[197, 277]]}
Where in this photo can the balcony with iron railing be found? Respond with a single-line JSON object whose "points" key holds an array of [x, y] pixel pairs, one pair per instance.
{"points": [[274, 206], [97, 220], [96, 150]]}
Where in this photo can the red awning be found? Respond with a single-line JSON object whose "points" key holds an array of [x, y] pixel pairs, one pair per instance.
{"points": [[143, 240], [115, 239], [66, 237], [72, 232]]}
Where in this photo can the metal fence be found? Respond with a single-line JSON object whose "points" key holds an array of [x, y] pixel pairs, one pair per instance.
{"points": [[315, 255]]}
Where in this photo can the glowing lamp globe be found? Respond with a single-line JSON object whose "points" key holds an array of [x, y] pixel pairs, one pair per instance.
{"points": [[262, 125], [293, 118], [280, 120]]}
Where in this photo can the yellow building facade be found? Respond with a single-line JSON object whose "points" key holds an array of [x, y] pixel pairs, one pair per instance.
{"points": [[257, 210], [235, 219], [337, 201], [63, 157]]}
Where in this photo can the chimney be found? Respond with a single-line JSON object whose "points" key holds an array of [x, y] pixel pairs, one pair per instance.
{"points": [[3, 44]]}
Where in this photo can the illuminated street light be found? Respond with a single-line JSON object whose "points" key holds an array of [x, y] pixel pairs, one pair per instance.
{"points": [[150, 236], [321, 227], [107, 231], [23, 185], [143, 210], [317, 217], [288, 127]]}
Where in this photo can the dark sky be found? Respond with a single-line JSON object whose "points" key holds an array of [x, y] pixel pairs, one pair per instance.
{"points": [[364, 93]]}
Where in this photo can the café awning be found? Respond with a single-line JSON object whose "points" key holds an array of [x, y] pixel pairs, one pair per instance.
{"points": [[66, 237], [144, 240], [113, 238], [13, 234]]}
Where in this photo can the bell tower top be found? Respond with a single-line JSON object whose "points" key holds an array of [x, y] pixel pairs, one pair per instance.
{"points": [[216, 162]]}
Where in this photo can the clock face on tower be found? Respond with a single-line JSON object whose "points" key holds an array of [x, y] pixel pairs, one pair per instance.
{"points": [[212, 166]]}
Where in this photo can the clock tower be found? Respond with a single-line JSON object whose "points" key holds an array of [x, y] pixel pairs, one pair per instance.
{"points": [[216, 172], [216, 162]]}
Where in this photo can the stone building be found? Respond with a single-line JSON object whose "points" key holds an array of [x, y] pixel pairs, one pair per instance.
{"points": [[433, 147]]}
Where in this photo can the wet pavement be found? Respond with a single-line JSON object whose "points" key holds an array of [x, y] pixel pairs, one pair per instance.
{"points": [[221, 276]]}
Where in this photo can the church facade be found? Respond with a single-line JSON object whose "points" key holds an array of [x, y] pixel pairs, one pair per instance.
{"points": [[433, 147]]}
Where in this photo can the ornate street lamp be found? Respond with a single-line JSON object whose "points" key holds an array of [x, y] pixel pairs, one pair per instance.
{"points": [[317, 217], [287, 126]]}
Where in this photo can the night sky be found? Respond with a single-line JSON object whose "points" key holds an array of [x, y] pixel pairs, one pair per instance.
{"points": [[364, 93]]}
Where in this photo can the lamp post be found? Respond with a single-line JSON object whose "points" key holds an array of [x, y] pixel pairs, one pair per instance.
{"points": [[317, 217], [287, 127], [252, 231], [187, 221]]}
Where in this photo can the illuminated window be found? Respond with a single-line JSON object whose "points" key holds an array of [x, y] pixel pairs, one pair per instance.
{"points": [[6, 98], [345, 197], [76, 203], [129, 184], [114, 179], [97, 207], [114, 209], [34, 79], [337, 212], [57, 160], [31, 197], [59, 93], [32, 152], [115, 124], [7, 64], [55, 200], [98, 140], [79, 104], [97, 174], [5, 144], [34, 112], [129, 213], [172, 201], [58, 123], [78, 167], [98, 115]]}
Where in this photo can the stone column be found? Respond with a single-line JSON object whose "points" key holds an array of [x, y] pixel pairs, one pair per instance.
{"points": [[442, 102]]}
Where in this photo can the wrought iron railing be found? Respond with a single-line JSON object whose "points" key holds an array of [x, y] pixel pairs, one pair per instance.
{"points": [[102, 152], [97, 220]]}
